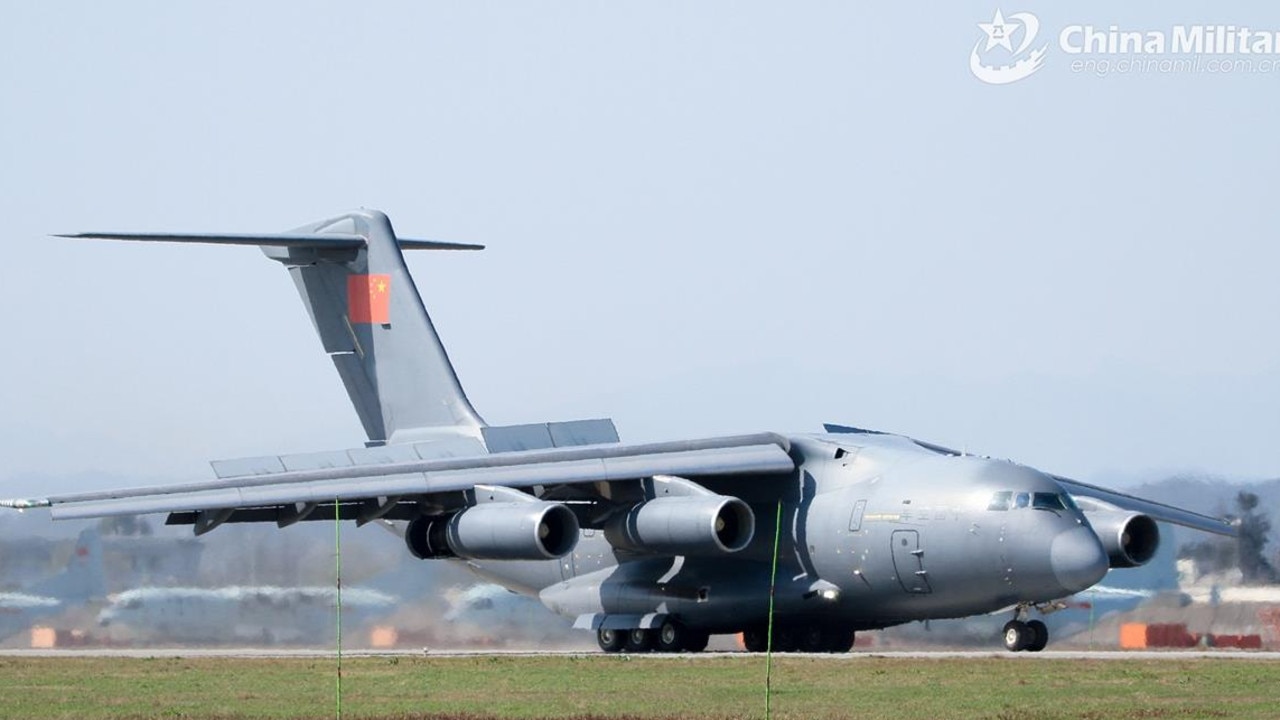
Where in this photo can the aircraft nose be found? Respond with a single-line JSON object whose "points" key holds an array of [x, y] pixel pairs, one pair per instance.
{"points": [[1078, 559]]}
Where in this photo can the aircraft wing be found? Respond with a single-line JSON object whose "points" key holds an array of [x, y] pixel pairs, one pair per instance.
{"points": [[1159, 511], [383, 483]]}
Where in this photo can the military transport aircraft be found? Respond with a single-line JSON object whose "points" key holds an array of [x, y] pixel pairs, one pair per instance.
{"points": [[81, 581], [651, 545], [263, 614]]}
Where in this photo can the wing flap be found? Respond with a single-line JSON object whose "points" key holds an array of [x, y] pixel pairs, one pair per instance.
{"points": [[275, 465], [752, 454]]}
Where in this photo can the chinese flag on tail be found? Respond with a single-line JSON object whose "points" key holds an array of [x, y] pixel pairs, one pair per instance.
{"points": [[369, 299]]}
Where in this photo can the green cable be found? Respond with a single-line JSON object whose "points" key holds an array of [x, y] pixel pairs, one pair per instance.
{"points": [[337, 574], [773, 584]]}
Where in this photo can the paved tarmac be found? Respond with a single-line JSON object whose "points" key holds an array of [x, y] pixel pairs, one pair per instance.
{"points": [[846, 657]]}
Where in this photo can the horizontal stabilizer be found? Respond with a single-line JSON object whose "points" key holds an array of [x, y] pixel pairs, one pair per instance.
{"points": [[313, 241], [408, 244]]}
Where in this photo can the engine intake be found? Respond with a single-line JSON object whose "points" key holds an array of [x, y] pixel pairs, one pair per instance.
{"points": [[496, 531], [696, 525], [1130, 539]]}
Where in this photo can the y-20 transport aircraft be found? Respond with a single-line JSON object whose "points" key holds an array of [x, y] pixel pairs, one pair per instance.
{"points": [[650, 545]]}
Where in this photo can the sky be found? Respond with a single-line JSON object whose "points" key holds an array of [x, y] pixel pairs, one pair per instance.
{"points": [[701, 218]]}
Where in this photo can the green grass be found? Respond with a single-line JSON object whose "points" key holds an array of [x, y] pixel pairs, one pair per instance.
{"points": [[600, 686]]}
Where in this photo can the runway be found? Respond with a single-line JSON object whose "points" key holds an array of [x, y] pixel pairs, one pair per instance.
{"points": [[267, 653]]}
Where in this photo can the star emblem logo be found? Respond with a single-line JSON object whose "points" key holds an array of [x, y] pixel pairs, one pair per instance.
{"points": [[998, 32], [1017, 61]]}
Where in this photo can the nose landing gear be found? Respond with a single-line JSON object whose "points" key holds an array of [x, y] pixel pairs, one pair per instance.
{"points": [[1025, 635]]}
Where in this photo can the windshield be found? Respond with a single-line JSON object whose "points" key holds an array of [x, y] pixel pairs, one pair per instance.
{"points": [[1048, 501], [1008, 500]]}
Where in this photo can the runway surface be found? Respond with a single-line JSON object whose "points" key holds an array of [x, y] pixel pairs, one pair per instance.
{"points": [[845, 657]]}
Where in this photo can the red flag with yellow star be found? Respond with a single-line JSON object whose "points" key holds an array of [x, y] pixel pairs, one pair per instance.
{"points": [[369, 299]]}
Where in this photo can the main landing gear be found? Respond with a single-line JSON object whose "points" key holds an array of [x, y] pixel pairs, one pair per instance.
{"points": [[673, 636], [806, 638], [1029, 635]]}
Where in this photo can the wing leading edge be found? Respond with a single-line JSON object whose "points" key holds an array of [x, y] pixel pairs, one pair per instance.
{"points": [[1158, 511], [764, 453]]}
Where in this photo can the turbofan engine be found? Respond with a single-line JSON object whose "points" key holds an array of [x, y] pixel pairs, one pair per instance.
{"points": [[496, 531], [1130, 539], [689, 525]]}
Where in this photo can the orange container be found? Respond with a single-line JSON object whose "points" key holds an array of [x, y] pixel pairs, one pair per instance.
{"points": [[383, 636], [1133, 636]]}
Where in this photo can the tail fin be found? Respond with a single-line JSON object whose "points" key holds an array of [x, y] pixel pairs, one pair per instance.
{"points": [[353, 280], [83, 578], [374, 326]]}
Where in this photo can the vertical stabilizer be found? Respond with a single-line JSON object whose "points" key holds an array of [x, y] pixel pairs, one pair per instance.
{"points": [[372, 323], [353, 280]]}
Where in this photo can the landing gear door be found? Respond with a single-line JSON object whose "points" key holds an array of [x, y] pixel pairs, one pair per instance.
{"points": [[908, 561]]}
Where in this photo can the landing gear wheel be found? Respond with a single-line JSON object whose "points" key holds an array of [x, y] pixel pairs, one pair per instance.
{"points": [[1017, 636], [755, 639], [785, 640], [639, 641], [814, 640], [840, 641], [696, 640], [1039, 635], [673, 637], [611, 641]]}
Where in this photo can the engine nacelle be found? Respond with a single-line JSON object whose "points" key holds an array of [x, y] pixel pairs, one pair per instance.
{"points": [[686, 525], [1130, 538], [496, 531]]}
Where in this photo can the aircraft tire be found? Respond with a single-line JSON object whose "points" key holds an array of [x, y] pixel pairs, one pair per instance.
{"points": [[1017, 636], [755, 639], [611, 641], [1039, 636], [814, 639], [696, 640], [673, 636], [840, 641], [785, 639], [640, 641]]}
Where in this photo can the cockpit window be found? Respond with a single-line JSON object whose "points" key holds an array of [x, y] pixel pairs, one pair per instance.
{"points": [[1048, 501], [1007, 500], [1001, 500]]}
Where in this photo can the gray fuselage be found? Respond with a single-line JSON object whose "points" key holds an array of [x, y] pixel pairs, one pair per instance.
{"points": [[875, 530]]}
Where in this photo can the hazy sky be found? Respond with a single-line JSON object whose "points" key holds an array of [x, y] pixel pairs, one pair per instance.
{"points": [[702, 218]]}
